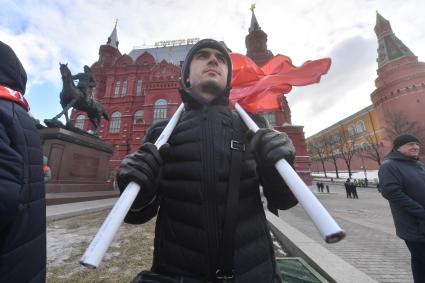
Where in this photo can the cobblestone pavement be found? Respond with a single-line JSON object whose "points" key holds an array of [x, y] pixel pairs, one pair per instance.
{"points": [[371, 244]]}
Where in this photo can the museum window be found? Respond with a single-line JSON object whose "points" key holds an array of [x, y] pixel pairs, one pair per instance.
{"points": [[360, 127], [334, 138], [160, 110], [115, 122], [138, 116], [79, 121], [124, 89], [351, 131], [139, 88], [117, 89], [271, 118]]}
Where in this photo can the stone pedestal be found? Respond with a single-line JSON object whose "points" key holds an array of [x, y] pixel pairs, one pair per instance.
{"points": [[79, 163]]}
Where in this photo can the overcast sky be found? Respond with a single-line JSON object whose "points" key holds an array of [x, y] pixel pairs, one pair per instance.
{"points": [[44, 33]]}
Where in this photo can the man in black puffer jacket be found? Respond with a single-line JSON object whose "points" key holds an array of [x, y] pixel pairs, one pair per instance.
{"points": [[402, 183], [22, 202], [187, 185]]}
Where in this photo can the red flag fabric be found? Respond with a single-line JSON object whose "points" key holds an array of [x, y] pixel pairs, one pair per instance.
{"points": [[258, 89]]}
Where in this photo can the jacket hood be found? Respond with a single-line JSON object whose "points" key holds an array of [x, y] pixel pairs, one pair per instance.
{"points": [[12, 73]]}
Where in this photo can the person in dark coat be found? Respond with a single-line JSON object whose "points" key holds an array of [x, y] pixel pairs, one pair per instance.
{"points": [[22, 200], [347, 186], [402, 183], [353, 189], [187, 184]]}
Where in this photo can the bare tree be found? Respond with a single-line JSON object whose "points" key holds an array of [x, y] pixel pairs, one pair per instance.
{"points": [[398, 123], [345, 145], [372, 149], [330, 153], [315, 150]]}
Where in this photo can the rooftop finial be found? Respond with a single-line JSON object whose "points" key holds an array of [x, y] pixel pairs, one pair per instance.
{"points": [[252, 7]]}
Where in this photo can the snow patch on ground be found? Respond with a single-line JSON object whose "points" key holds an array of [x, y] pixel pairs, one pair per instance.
{"points": [[371, 175]]}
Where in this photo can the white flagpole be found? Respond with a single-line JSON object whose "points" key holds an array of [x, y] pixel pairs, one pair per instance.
{"points": [[323, 221], [98, 246]]}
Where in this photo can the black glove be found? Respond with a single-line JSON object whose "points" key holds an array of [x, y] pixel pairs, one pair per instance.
{"points": [[269, 146], [142, 167]]}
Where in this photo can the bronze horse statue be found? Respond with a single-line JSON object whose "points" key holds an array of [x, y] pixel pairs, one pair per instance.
{"points": [[71, 96]]}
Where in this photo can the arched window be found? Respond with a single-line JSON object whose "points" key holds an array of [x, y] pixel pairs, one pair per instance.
{"points": [[360, 127], [138, 116], [351, 131], [160, 110], [124, 89], [79, 121], [117, 89], [115, 122], [139, 88]]}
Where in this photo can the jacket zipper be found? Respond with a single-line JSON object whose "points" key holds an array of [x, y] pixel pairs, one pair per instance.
{"points": [[210, 194]]}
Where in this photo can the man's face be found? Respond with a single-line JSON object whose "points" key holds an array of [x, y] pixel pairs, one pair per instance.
{"points": [[410, 149], [208, 73]]}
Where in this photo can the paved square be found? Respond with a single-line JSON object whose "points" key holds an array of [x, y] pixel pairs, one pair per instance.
{"points": [[371, 244]]}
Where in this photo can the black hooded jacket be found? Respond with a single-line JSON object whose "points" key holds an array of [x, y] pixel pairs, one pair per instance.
{"points": [[22, 202], [402, 182], [192, 195]]}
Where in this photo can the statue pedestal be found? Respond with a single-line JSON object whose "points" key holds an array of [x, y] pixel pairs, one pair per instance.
{"points": [[79, 165], [302, 160]]}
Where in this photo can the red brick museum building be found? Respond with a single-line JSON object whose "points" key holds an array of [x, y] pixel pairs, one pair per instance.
{"points": [[141, 88]]}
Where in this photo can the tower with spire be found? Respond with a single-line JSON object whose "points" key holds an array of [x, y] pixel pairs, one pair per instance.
{"points": [[390, 47], [256, 46], [109, 53], [400, 85], [256, 41]]}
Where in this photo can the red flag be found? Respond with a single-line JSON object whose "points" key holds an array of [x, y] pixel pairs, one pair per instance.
{"points": [[259, 89]]}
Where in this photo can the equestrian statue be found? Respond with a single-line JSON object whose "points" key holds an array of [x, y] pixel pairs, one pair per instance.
{"points": [[78, 97]]}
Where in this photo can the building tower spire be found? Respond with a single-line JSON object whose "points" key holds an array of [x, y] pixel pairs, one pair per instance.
{"points": [[256, 42], [254, 23], [390, 48], [113, 38]]}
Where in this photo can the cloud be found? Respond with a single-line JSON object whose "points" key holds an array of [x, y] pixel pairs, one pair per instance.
{"points": [[343, 91], [44, 33]]}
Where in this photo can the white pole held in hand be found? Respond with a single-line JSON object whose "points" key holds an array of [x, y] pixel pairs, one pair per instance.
{"points": [[98, 246], [323, 221]]}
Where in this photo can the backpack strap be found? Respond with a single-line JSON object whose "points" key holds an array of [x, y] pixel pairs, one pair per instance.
{"points": [[225, 272]]}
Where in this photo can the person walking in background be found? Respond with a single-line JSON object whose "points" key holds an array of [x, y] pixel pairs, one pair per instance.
{"points": [[22, 195], [327, 188], [348, 188], [353, 189], [402, 183]]}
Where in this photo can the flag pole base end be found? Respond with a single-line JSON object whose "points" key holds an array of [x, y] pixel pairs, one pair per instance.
{"points": [[88, 265], [335, 237]]}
